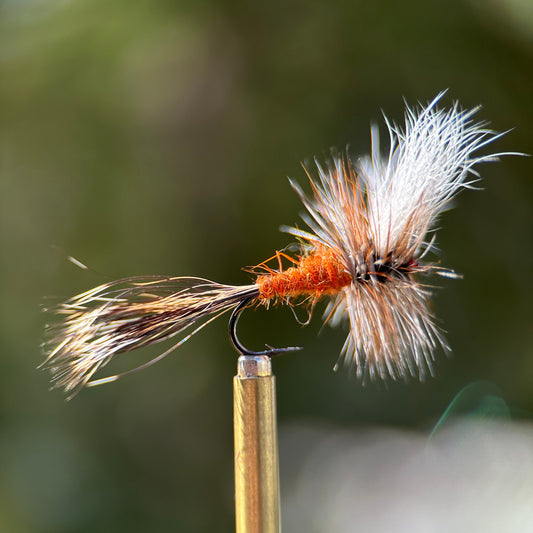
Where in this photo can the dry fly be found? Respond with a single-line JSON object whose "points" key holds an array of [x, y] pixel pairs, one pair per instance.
{"points": [[370, 224]]}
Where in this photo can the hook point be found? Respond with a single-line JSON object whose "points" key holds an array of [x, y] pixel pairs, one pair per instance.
{"points": [[232, 326]]}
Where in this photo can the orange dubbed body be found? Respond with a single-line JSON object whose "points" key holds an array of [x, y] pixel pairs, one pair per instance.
{"points": [[316, 274]]}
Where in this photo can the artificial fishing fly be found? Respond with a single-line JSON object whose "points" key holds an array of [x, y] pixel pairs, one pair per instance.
{"points": [[367, 228]]}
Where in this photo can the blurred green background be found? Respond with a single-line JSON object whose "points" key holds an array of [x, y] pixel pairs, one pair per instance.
{"points": [[155, 137]]}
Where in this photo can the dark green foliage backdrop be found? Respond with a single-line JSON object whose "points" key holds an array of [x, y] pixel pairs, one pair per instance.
{"points": [[155, 137]]}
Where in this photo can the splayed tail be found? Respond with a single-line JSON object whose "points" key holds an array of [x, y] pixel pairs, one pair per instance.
{"points": [[124, 315]]}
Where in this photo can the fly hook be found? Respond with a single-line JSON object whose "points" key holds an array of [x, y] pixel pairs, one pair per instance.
{"points": [[232, 326]]}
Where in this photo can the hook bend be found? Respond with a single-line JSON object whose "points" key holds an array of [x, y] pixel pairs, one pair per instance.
{"points": [[237, 344]]}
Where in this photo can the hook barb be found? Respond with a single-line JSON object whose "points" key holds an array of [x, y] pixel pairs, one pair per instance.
{"points": [[232, 327]]}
